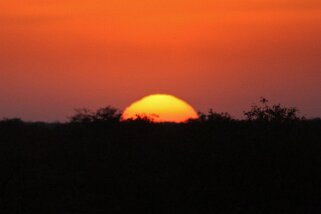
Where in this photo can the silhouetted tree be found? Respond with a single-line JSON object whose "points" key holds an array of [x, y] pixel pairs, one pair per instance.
{"points": [[212, 116], [83, 115], [143, 118], [107, 114], [274, 113]]}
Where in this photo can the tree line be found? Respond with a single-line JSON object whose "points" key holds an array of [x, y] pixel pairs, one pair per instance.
{"points": [[263, 112]]}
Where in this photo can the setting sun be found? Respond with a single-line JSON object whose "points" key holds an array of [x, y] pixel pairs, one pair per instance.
{"points": [[161, 108]]}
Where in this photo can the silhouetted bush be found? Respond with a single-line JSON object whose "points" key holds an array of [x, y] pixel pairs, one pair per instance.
{"points": [[142, 119], [274, 113], [213, 117], [83, 115], [107, 114]]}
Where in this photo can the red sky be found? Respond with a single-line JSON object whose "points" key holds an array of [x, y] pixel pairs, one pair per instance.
{"points": [[57, 55]]}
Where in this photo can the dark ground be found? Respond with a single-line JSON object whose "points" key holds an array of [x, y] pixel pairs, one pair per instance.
{"points": [[218, 167]]}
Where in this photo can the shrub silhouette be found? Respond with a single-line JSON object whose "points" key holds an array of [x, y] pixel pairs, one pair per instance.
{"points": [[83, 115], [211, 117], [275, 113], [143, 118], [215, 116], [106, 114]]}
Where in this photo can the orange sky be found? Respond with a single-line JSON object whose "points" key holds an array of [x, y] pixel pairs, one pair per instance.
{"points": [[57, 55]]}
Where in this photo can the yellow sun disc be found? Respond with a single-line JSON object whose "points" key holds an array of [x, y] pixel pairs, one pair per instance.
{"points": [[161, 108]]}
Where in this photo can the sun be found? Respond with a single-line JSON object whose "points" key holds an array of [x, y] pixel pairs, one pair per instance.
{"points": [[161, 108]]}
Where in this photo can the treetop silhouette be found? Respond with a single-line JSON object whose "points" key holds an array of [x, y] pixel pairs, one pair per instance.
{"points": [[275, 113]]}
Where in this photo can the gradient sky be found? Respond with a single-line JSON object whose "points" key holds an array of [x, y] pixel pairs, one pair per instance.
{"points": [[57, 55]]}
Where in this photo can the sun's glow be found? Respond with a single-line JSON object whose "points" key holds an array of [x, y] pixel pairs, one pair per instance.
{"points": [[161, 108]]}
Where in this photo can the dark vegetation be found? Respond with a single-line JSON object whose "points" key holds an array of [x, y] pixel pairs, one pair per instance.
{"points": [[267, 163]]}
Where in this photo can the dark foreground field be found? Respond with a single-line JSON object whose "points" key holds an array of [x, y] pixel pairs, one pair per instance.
{"points": [[136, 167]]}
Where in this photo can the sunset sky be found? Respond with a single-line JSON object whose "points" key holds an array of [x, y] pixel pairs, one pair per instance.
{"points": [[57, 55]]}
